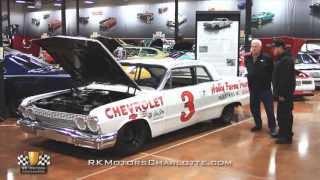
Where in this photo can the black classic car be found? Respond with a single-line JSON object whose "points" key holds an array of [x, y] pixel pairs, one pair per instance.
{"points": [[146, 17], [315, 8], [84, 20], [26, 75], [46, 16], [162, 10], [35, 22]]}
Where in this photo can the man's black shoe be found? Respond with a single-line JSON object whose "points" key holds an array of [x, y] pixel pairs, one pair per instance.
{"points": [[284, 141], [255, 129], [275, 136]]}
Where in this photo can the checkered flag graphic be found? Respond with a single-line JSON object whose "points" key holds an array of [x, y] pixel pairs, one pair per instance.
{"points": [[44, 160], [23, 160]]}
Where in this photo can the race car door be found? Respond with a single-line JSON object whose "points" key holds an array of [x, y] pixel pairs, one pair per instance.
{"points": [[181, 99]]}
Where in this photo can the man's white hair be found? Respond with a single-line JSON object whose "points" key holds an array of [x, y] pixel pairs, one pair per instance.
{"points": [[257, 41]]}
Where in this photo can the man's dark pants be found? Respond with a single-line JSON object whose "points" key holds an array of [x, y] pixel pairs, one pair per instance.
{"points": [[285, 118], [256, 96], [2, 99]]}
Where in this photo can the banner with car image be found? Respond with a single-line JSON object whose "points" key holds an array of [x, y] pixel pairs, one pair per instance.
{"points": [[217, 39]]}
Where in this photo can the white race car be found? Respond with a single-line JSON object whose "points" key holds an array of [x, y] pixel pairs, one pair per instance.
{"points": [[307, 64], [121, 106]]}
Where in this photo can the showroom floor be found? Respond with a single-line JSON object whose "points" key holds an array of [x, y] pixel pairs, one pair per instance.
{"points": [[253, 156]]}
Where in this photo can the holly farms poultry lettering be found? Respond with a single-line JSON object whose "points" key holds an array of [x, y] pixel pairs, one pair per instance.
{"points": [[128, 109], [217, 88]]}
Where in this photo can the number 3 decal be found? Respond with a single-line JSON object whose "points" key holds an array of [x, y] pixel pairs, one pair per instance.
{"points": [[189, 103]]}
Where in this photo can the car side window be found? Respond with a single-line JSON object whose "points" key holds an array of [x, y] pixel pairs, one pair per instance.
{"points": [[181, 77], [202, 75], [148, 52], [131, 52]]}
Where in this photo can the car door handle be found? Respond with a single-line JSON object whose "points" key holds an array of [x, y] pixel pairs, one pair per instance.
{"points": [[203, 92]]}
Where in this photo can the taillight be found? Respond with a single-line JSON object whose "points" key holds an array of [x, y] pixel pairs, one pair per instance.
{"points": [[302, 75]]}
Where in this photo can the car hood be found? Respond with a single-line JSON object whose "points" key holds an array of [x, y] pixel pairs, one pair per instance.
{"points": [[86, 60]]}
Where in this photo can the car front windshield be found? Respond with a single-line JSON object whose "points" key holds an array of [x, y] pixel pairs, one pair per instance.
{"points": [[305, 59], [27, 62], [149, 76], [260, 14]]}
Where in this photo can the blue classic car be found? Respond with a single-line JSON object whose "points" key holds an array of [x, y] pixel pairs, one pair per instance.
{"points": [[262, 17], [241, 4], [26, 75]]}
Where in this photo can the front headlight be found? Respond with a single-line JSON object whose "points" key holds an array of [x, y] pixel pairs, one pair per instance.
{"points": [[30, 114], [81, 124], [92, 124], [26, 112], [21, 110]]}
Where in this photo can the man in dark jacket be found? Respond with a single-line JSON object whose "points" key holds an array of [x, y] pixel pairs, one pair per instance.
{"points": [[284, 84], [2, 95], [260, 68], [182, 45]]}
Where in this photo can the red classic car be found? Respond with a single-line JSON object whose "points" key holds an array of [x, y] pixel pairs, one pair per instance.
{"points": [[54, 25], [108, 23]]}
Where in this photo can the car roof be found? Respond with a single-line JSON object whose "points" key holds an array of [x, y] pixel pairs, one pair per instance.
{"points": [[170, 63], [167, 63]]}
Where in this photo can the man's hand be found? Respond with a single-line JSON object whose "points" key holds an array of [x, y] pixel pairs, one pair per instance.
{"points": [[281, 98]]}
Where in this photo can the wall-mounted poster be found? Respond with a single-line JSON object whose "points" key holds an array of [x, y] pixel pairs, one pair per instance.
{"points": [[217, 39]]}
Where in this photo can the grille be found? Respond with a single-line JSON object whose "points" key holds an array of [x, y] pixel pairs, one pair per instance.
{"points": [[55, 119], [306, 82], [298, 83], [315, 74]]}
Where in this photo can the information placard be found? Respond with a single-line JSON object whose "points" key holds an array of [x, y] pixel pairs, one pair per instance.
{"points": [[217, 40]]}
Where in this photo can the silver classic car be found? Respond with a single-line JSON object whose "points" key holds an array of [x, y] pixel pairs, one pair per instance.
{"points": [[217, 24]]}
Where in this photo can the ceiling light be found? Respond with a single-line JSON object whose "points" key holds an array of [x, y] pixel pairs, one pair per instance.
{"points": [[89, 2], [31, 7], [21, 1]]}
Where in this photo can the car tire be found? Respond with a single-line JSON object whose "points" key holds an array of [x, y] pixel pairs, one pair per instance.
{"points": [[131, 138], [228, 114], [216, 27], [12, 107]]}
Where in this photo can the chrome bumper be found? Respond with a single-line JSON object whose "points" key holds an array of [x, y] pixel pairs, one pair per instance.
{"points": [[69, 136]]}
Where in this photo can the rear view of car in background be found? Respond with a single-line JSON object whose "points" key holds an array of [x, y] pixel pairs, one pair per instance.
{"points": [[305, 85], [308, 65]]}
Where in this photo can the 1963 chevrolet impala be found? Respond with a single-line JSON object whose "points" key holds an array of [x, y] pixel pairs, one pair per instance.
{"points": [[117, 107]]}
